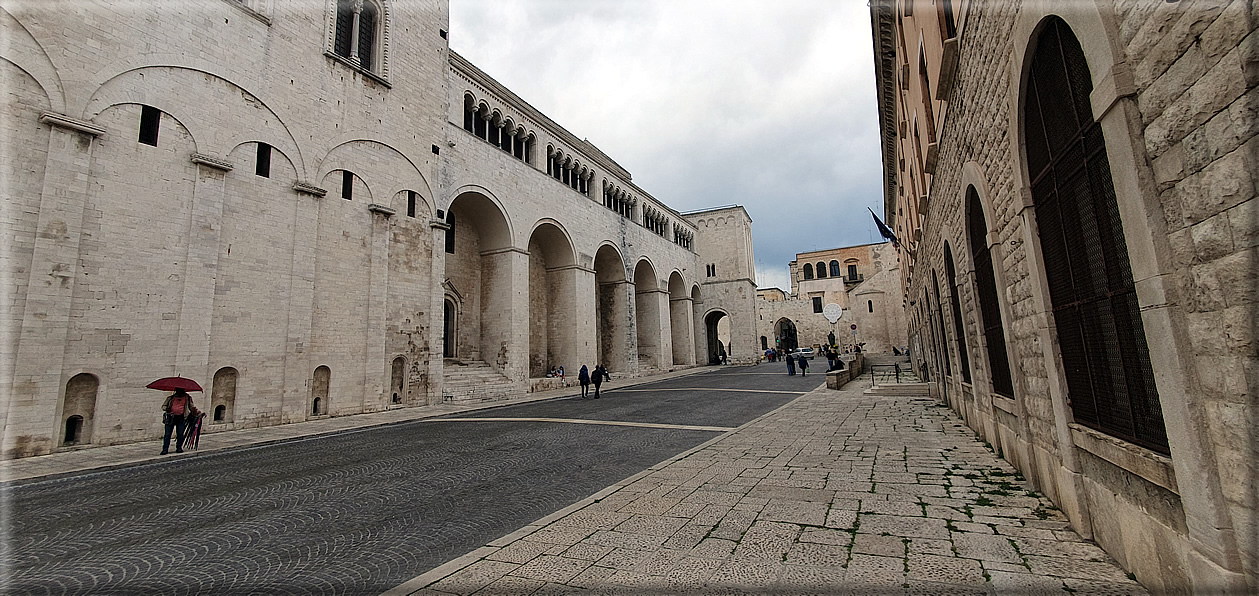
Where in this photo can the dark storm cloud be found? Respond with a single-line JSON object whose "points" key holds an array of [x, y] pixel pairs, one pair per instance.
{"points": [[707, 103]]}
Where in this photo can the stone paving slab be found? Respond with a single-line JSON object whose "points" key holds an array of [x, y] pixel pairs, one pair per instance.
{"points": [[836, 492]]}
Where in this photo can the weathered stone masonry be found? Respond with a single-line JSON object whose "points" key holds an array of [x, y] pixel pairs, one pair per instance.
{"points": [[281, 200]]}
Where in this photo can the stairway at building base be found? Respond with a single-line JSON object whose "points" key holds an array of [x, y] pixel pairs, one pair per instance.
{"points": [[474, 381]]}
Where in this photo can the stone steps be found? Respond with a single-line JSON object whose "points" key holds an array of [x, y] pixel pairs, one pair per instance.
{"points": [[900, 390], [474, 381]]}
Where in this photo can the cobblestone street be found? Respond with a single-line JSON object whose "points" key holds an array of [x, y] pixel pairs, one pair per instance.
{"points": [[836, 492]]}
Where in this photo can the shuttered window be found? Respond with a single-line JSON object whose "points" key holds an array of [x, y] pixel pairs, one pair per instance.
{"points": [[1110, 382], [986, 293]]}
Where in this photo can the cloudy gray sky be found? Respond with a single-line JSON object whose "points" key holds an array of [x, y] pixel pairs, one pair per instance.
{"points": [[707, 103]]}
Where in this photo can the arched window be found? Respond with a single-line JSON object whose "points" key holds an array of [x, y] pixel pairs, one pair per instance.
{"points": [[870, 305], [959, 332], [1110, 382], [319, 391], [986, 293], [357, 33], [397, 380], [821, 270], [808, 271], [79, 408], [939, 320], [223, 394], [835, 271]]}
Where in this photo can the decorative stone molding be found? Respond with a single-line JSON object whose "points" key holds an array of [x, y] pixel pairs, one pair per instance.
{"points": [[309, 189], [381, 209], [499, 251], [212, 162], [438, 224], [64, 121]]}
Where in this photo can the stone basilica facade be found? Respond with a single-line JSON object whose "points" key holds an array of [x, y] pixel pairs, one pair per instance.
{"points": [[316, 209]]}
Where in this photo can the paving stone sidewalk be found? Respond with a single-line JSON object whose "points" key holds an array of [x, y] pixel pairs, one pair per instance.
{"points": [[837, 492]]}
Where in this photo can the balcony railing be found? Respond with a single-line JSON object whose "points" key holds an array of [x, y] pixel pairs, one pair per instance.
{"points": [[854, 279]]}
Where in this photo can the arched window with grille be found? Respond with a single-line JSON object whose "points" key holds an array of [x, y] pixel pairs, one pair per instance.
{"points": [[986, 294], [1105, 359], [808, 271], [939, 321], [821, 270], [358, 30], [835, 270], [959, 331]]}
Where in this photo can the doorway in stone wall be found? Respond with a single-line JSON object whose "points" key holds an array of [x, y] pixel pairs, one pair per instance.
{"points": [[718, 336], [79, 409], [449, 328], [787, 337]]}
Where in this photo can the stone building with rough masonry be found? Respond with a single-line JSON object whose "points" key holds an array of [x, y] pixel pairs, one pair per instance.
{"points": [[315, 209], [1073, 184], [864, 280]]}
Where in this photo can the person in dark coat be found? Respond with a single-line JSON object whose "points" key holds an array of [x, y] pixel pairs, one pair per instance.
{"points": [[599, 376], [175, 413], [583, 377], [804, 366], [791, 365]]}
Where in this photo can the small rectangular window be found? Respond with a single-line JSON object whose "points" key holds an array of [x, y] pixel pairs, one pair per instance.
{"points": [[437, 150], [410, 203], [150, 118], [263, 166], [817, 304], [347, 185]]}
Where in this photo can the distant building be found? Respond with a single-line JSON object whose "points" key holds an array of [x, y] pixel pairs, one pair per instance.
{"points": [[864, 280], [1073, 185]]}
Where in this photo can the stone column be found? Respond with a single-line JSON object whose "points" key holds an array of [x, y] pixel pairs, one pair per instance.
{"points": [[437, 312], [201, 266], [682, 329], [377, 369], [505, 311], [357, 7], [35, 395], [298, 372]]}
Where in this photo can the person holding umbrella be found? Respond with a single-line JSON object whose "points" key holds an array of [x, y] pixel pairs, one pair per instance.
{"points": [[176, 410]]}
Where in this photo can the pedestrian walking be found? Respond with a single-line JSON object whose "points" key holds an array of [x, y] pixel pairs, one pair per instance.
{"points": [[600, 375], [175, 412], [804, 365], [791, 365], [583, 377]]}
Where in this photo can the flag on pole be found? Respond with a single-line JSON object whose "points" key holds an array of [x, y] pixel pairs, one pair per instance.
{"points": [[883, 229]]}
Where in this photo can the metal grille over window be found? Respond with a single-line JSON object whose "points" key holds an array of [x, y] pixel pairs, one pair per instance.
{"points": [[986, 290], [1110, 381], [950, 274]]}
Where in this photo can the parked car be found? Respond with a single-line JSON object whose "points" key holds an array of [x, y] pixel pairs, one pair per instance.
{"points": [[806, 353]]}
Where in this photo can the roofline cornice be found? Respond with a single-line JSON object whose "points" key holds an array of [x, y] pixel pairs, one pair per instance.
{"points": [[883, 24]]}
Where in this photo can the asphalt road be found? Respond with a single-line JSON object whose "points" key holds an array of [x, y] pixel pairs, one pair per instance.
{"points": [[363, 511]]}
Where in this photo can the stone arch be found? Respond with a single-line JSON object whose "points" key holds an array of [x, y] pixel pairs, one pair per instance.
{"points": [[398, 380], [613, 316], [481, 267], [26, 53], [223, 101], [785, 333], [553, 278], [985, 250], [649, 308], [681, 326], [333, 182], [223, 395], [320, 382], [78, 409], [717, 334], [404, 204], [390, 169]]}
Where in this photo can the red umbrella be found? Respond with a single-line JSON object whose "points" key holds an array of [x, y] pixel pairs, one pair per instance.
{"points": [[173, 383]]}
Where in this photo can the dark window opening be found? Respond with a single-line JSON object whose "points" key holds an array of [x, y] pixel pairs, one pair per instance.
{"points": [[852, 272], [1102, 343], [468, 125], [263, 165], [944, 334], [219, 413], [150, 119], [450, 233], [821, 270], [437, 150], [480, 125], [870, 305], [314, 406], [986, 293], [74, 429], [367, 36], [959, 332], [347, 185], [808, 271], [817, 304], [442, 32], [835, 272], [410, 203], [345, 24]]}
